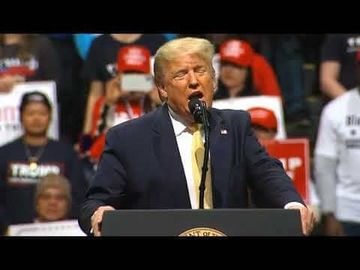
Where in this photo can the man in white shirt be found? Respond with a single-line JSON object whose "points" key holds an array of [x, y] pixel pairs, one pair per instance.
{"points": [[337, 156]]}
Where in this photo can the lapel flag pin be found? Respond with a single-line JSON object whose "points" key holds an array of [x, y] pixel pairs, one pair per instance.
{"points": [[223, 131]]}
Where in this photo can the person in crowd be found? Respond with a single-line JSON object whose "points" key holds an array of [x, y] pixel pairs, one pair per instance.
{"points": [[263, 123], [128, 95], [338, 64], [243, 72], [26, 57], [337, 153], [52, 198], [100, 65]]}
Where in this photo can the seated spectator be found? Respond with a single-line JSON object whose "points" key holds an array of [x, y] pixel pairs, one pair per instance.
{"points": [[52, 198], [243, 72], [32, 156], [52, 206]]}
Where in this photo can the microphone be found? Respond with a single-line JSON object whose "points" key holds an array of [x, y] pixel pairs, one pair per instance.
{"points": [[198, 109], [200, 113]]}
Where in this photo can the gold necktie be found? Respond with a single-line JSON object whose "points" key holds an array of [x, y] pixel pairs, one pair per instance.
{"points": [[197, 162]]}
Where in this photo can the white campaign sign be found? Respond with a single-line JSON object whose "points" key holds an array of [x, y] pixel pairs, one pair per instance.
{"points": [[10, 126], [245, 103], [56, 228]]}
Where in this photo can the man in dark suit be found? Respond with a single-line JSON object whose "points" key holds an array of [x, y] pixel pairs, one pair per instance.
{"points": [[147, 162]]}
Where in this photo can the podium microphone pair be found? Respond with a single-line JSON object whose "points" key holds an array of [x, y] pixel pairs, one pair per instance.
{"points": [[198, 109]]}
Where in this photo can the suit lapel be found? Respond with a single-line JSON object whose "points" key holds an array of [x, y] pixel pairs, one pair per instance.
{"points": [[221, 157], [168, 156]]}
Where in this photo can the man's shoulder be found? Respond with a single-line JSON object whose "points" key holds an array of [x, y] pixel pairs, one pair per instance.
{"points": [[228, 114]]}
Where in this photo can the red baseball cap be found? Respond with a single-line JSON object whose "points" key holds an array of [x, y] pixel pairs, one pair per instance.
{"points": [[237, 52], [263, 117], [133, 58]]}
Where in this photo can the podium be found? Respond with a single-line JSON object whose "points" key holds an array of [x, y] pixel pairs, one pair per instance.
{"points": [[214, 222]]}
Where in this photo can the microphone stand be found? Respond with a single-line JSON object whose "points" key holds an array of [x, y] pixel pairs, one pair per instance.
{"points": [[205, 120]]}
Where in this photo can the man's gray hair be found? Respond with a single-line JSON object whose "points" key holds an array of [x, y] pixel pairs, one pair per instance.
{"points": [[177, 47]]}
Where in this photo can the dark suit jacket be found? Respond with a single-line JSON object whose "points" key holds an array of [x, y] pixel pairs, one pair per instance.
{"points": [[141, 167]]}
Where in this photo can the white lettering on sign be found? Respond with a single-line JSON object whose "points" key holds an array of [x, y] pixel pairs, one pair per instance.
{"points": [[22, 173]]}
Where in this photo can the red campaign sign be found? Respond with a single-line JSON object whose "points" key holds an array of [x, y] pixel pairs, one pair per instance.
{"points": [[294, 155]]}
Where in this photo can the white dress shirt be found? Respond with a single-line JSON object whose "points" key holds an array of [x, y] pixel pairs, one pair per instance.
{"points": [[184, 141]]}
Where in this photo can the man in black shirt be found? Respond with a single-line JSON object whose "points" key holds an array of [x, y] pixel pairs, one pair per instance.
{"points": [[338, 64]]}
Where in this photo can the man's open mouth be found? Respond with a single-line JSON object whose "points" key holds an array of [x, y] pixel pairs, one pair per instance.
{"points": [[196, 94]]}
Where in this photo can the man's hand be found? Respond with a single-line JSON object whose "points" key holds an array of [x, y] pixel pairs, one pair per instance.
{"points": [[97, 217], [307, 218]]}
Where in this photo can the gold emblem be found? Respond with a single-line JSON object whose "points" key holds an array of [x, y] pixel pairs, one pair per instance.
{"points": [[33, 166], [202, 232]]}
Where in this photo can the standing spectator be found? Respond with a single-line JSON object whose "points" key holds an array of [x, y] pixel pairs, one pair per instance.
{"points": [[338, 64], [119, 105], [25, 160], [26, 57], [100, 65], [337, 155]]}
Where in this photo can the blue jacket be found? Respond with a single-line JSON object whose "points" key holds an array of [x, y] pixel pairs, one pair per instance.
{"points": [[141, 167]]}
